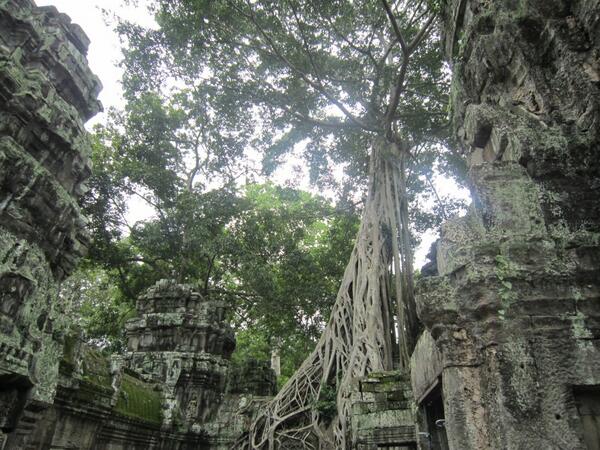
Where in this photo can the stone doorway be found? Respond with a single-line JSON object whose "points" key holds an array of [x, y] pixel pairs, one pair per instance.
{"points": [[587, 401], [433, 409]]}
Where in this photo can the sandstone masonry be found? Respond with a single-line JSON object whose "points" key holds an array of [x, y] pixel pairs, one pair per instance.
{"points": [[511, 357], [170, 389]]}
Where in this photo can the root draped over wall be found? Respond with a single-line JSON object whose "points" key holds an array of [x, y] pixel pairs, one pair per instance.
{"points": [[361, 334]]}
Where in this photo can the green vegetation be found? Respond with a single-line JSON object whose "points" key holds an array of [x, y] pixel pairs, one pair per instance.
{"points": [[326, 404], [219, 97], [505, 270], [140, 400], [95, 367]]}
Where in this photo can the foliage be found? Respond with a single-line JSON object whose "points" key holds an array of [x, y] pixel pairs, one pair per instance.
{"points": [[322, 77], [256, 343], [275, 253], [326, 403], [354, 83], [286, 258], [91, 296]]}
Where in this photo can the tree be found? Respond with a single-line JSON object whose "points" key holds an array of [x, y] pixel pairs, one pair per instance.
{"points": [[290, 254], [359, 83], [91, 296], [267, 249]]}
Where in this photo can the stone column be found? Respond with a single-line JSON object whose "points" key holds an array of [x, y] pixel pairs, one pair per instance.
{"points": [[181, 339], [276, 358], [515, 307], [46, 93]]}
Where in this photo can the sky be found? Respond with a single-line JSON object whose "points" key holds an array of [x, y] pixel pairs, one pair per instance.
{"points": [[104, 55]]}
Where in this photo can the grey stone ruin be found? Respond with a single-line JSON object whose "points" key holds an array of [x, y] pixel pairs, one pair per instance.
{"points": [[46, 93], [510, 358], [56, 392], [181, 340], [510, 303]]}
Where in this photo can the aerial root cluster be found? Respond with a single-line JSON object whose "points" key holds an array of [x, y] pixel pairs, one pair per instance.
{"points": [[360, 335]]}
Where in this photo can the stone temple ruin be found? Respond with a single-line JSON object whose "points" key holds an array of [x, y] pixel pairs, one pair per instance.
{"points": [[508, 357], [514, 309], [173, 388]]}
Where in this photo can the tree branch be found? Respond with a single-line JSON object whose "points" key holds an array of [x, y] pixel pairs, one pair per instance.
{"points": [[192, 174], [395, 27], [351, 44], [395, 99], [230, 292], [421, 34], [317, 86], [305, 44], [211, 261]]}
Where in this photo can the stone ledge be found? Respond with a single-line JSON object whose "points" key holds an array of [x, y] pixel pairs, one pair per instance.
{"points": [[54, 45], [37, 208]]}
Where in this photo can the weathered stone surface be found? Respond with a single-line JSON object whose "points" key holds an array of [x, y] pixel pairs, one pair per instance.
{"points": [[515, 310], [163, 392], [232, 419], [46, 92], [426, 366], [252, 377], [526, 90], [176, 397], [512, 309], [181, 340], [383, 413]]}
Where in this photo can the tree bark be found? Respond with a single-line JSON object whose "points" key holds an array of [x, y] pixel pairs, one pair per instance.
{"points": [[359, 338]]}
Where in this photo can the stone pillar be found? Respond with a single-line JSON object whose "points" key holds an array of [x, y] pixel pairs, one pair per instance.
{"points": [[276, 358], [181, 339], [382, 413], [515, 307], [46, 93]]}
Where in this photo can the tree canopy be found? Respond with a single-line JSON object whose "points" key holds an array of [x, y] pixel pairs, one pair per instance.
{"points": [[275, 253], [221, 84], [325, 76]]}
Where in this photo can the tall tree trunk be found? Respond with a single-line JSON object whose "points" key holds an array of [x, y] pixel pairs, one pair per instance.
{"points": [[359, 337]]}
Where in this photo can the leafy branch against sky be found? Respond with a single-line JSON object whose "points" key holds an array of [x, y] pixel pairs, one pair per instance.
{"points": [[355, 92]]}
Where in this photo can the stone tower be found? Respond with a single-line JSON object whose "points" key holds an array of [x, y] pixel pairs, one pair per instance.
{"points": [[46, 93], [511, 356], [182, 340]]}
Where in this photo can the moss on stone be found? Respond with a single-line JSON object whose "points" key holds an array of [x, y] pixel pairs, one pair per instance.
{"points": [[505, 271], [139, 400], [95, 367], [69, 348]]}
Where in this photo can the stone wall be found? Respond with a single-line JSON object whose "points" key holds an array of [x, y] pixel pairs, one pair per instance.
{"points": [[172, 390], [100, 405], [514, 309], [55, 392], [46, 93], [383, 413], [510, 357], [181, 340]]}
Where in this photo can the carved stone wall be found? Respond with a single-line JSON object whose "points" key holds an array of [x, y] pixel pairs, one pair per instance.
{"points": [[54, 391], [181, 340], [46, 93], [514, 309], [383, 413], [173, 394]]}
